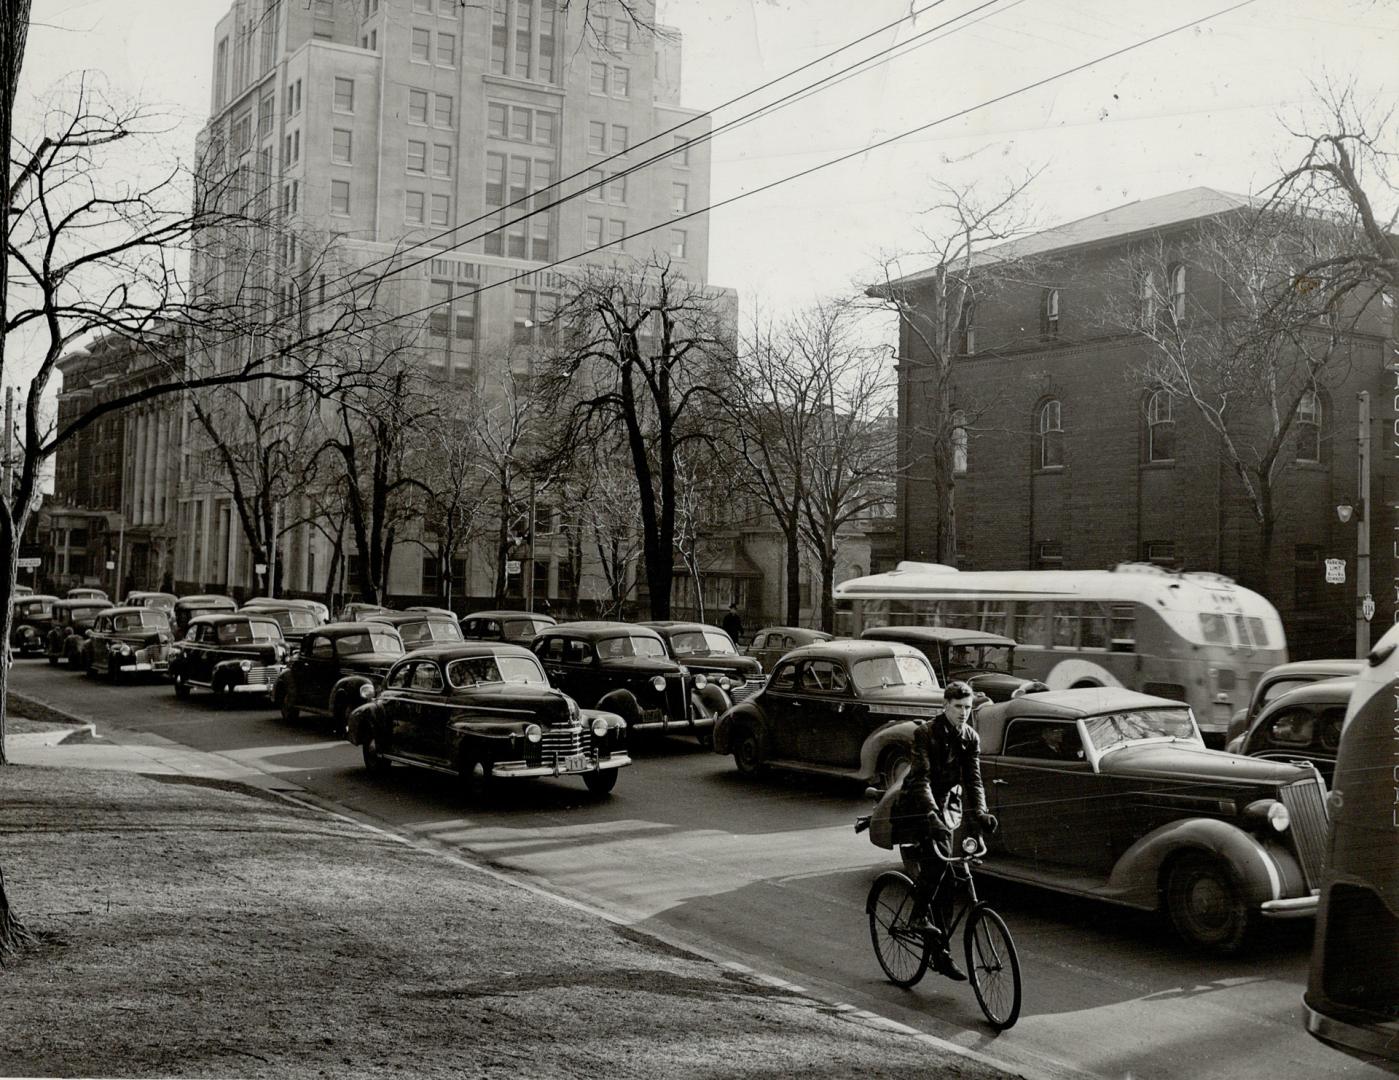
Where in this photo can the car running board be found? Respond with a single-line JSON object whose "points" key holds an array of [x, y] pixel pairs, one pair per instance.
{"points": [[1009, 868], [403, 759], [819, 770]]}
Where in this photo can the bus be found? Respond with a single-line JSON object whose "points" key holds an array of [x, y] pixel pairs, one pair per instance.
{"points": [[1352, 998], [1194, 637]]}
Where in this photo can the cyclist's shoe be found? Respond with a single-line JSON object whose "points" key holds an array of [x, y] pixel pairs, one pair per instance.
{"points": [[943, 964], [921, 924]]}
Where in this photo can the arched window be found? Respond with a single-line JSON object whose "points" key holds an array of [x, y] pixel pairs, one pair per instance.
{"points": [[1148, 298], [1177, 279], [1160, 428], [1309, 427], [1051, 435], [966, 327], [959, 442], [1049, 312]]}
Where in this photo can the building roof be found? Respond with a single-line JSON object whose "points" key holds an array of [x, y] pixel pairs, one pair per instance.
{"points": [[1144, 215]]}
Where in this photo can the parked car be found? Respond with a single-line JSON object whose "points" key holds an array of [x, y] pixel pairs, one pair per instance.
{"points": [[293, 616], [242, 653], [128, 640], [356, 610], [322, 612], [433, 610], [163, 600], [486, 712], [1277, 681], [515, 626], [709, 651], [31, 618], [1303, 724], [85, 592], [419, 629], [337, 667], [1112, 794], [187, 607], [840, 708], [623, 668], [772, 643], [986, 661], [22, 590], [72, 619]]}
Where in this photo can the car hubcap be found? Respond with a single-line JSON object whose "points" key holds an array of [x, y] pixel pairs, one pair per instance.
{"points": [[1209, 903]]}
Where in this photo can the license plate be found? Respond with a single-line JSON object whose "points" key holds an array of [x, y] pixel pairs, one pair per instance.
{"points": [[576, 762], [651, 716]]}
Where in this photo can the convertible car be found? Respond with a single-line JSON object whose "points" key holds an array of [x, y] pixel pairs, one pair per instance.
{"points": [[485, 711], [1111, 794]]}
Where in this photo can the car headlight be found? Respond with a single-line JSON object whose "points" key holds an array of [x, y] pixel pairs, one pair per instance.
{"points": [[599, 727], [658, 683], [701, 682], [534, 733], [366, 691], [724, 682], [123, 650], [246, 665], [27, 632], [1269, 811]]}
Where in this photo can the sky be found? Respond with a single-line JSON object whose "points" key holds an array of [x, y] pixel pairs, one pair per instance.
{"points": [[1208, 106]]}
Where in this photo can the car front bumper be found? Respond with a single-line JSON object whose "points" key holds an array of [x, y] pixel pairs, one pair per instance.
{"points": [[1296, 907], [656, 720], [562, 767]]}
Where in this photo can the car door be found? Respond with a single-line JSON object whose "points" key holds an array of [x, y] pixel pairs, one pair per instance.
{"points": [[784, 708], [101, 637], [832, 732], [1052, 808], [315, 673], [404, 712], [550, 652]]}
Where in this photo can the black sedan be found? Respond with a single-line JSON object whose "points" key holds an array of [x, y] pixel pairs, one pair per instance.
{"points": [[337, 667], [72, 619], [419, 629], [128, 639], [709, 651], [986, 661], [231, 655], [515, 626], [1304, 724], [486, 713]]}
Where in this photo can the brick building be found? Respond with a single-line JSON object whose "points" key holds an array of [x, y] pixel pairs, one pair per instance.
{"points": [[1066, 460]]}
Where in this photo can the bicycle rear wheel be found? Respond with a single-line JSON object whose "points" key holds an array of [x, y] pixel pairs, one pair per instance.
{"points": [[993, 966], [902, 952]]}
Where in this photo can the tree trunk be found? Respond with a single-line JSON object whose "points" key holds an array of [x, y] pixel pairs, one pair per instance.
{"points": [[828, 602], [794, 578]]}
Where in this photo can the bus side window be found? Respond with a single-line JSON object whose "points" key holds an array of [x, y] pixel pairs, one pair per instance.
{"points": [[993, 616], [1065, 625], [1032, 624], [1124, 628], [1093, 627], [961, 614]]}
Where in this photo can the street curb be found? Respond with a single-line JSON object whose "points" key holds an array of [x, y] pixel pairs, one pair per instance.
{"points": [[297, 796], [48, 738]]}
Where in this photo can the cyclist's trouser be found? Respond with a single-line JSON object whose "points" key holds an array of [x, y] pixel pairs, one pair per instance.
{"points": [[934, 848]]}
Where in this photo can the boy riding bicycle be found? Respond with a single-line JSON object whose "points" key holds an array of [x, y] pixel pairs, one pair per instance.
{"points": [[946, 753]]}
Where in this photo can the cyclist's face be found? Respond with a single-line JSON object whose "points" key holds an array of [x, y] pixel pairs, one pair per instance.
{"points": [[958, 710]]}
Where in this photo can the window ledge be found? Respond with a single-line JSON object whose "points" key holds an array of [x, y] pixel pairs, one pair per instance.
{"points": [[1165, 463], [1312, 466], [1049, 469]]}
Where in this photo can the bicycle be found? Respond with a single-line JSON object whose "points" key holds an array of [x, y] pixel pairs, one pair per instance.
{"points": [[993, 966]]}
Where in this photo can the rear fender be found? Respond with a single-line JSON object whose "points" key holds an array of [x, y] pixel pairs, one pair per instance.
{"points": [[1263, 871], [362, 722], [346, 693]]}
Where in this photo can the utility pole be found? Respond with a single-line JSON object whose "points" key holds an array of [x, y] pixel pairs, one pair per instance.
{"points": [[1364, 602]]}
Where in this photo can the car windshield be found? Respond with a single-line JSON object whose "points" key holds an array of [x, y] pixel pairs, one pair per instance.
{"points": [[521, 628], [979, 658], [475, 670], [702, 643], [370, 641], [139, 620], [416, 633], [240, 633], [1117, 729], [637, 645], [884, 671], [1282, 686]]}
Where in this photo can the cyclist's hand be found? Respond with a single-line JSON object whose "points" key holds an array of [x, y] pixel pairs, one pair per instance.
{"points": [[987, 822]]}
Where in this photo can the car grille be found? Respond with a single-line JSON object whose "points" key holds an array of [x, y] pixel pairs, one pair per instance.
{"points": [[262, 676], [744, 690], [563, 740], [1306, 805], [677, 698]]}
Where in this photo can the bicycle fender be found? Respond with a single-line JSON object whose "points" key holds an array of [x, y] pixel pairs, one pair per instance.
{"points": [[888, 875]]}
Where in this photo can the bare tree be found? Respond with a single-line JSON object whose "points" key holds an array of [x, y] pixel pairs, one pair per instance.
{"points": [[447, 454], [637, 348], [936, 309]]}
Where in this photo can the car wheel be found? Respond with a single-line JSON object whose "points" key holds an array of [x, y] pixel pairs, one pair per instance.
{"points": [[375, 762], [1205, 906], [893, 766], [290, 713], [181, 687], [225, 695], [705, 739], [748, 755], [1086, 684], [601, 781], [477, 783]]}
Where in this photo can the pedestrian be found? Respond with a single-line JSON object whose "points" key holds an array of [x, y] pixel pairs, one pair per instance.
{"points": [[733, 623]]}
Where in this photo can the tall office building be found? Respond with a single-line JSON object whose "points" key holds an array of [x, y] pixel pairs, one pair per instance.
{"points": [[409, 127]]}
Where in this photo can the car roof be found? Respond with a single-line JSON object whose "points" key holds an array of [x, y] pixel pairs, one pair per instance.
{"points": [[851, 649], [125, 609], [207, 598], [1331, 666], [340, 629], [600, 629], [1085, 701], [797, 631], [150, 592], [78, 602], [949, 634], [510, 614], [282, 601], [458, 650], [678, 626], [220, 617], [1323, 691], [397, 618], [49, 596]]}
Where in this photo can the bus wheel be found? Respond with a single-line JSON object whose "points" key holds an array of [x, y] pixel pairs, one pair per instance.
{"points": [[1085, 684]]}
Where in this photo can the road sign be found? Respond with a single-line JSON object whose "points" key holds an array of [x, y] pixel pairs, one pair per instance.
{"points": [[512, 566], [30, 563], [1335, 571], [260, 568], [1367, 607], [111, 565]]}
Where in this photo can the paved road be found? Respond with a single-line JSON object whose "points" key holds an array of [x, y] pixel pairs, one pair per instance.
{"points": [[770, 873]]}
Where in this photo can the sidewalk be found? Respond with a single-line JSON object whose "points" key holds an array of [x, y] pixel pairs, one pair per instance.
{"points": [[191, 924]]}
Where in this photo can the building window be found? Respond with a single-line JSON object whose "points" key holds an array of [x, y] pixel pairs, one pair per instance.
{"points": [[1147, 297], [495, 179], [966, 327], [617, 190], [1049, 555], [417, 106], [681, 157], [525, 316], [340, 197], [597, 78], [1160, 427], [442, 110], [447, 50], [1308, 577], [496, 118], [441, 210], [544, 128], [341, 147], [1049, 312], [678, 241], [959, 442], [1177, 279], [620, 138], [344, 95], [1160, 553], [592, 233], [1051, 435], [597, 137], [1309, 427], [414, 207], [417, 156], [617, 234], [680, 198], [621, 82], [441, 160], [421, 48]]}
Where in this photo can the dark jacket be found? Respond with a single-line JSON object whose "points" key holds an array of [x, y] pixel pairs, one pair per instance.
{"points": [[732, 625], [942, 759]]}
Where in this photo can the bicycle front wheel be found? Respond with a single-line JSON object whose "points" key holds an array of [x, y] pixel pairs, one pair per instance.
{"points": [[902, 951], [993, 967]]}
